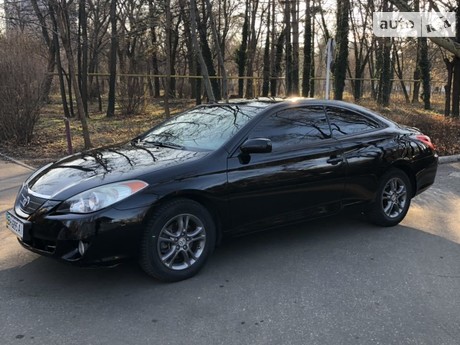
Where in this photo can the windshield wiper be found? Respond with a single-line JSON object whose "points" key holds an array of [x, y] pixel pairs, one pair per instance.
{"points": [[164, 144]]}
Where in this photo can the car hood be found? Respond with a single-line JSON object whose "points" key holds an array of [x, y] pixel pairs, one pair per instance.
{"points": [[74, 174]]}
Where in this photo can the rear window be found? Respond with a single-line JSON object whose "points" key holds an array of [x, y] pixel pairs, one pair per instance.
{"points": [[346, 122]]}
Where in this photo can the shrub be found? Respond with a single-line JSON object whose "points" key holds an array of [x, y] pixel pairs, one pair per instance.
{"points": [[130, 95], [22, 76]]}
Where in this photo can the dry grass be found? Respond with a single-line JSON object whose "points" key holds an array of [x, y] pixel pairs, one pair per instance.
{"points": [[444, 132], [49, 142]]}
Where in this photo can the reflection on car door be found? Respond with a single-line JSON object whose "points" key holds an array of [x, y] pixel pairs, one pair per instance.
{"points": [[303, 175], [364, 145]]}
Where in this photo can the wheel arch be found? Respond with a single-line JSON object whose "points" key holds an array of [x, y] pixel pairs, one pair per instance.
{"points": [[405, 168], [199, 197]]}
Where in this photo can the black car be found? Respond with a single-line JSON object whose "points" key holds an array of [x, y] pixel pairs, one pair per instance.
{"points": [[170, 195]]}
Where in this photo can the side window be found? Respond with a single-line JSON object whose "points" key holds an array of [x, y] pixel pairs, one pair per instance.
{"points": [[293, 128], [346, 122]]}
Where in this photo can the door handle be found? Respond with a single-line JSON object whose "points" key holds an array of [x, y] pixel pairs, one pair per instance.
{"points": [[335, 160]]}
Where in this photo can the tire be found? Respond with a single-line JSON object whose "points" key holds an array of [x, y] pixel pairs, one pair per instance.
{"points": [[392, 200], [178, 239]]}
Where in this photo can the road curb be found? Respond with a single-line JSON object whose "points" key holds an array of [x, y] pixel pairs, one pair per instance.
{"points": [[17, 162], [449, 159]]}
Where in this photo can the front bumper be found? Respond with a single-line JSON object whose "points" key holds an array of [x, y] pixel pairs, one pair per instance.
{"points": [[106, 236]]}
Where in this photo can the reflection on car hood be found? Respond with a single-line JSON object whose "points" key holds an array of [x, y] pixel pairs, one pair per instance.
{"points": [[82, 171]]}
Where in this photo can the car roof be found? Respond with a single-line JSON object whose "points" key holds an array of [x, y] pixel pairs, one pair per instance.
{"points": [[263, 103]]}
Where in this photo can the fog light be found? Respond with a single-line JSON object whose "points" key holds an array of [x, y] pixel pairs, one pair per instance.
{"points": [[82, 246]]}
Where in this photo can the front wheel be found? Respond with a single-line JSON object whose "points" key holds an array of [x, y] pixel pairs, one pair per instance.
{"points": [[393, 199], [177, 241]]}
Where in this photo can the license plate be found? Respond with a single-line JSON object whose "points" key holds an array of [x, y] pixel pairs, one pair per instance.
{"points": [[15, 225]]}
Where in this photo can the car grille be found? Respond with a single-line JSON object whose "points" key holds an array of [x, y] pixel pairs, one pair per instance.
{"points": [[27, 202]]}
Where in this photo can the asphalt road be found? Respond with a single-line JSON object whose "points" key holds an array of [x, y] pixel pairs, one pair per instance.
{"points": [[334, 281]]}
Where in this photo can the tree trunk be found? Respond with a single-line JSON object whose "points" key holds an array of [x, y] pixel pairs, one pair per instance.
{"points": [[425, 72], [69, 90], [385, 74], [273, 48], [113, 59], [278, 60], [295, 47], [191, 58], [456, 71], [173, 44], [167, 93], [83, 66], [199, 82], [456, 87], [287, 21], [154, 58], [267, 66], [399, 73], [220, 55], [341, 61], [252, 46], [208, 56], [448, 86], [203, 66], [360, 44], [241, 53], [312, 69], [307, 51], [51, 44], [62, 82], [63, 24], [374, 66]]}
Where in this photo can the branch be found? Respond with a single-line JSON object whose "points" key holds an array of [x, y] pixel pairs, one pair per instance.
{"points": [[445, 42]]}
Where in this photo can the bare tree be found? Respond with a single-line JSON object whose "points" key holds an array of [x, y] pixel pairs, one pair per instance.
{"points": [[360, 44], [267, 65], [307, 50], [167, 93], [241, 53], [204, 68], [220, 56], [61, 9], [252, 45], [341, 60], [447, 43], [113, 58]]}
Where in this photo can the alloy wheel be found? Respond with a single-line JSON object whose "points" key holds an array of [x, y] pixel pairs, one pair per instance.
{"points": [[394, 197], [181, 241]]}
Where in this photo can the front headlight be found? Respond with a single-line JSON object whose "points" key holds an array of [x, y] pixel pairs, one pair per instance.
{"points": [[100, 197]]}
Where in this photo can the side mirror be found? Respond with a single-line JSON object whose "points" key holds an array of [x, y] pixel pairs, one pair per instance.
{"points": [[257, 145]]}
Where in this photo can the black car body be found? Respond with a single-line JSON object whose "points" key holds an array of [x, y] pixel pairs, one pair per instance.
{"points": [[269, 163]]}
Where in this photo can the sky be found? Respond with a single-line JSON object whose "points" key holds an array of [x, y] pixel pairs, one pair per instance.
{"points": [[2, 17]]}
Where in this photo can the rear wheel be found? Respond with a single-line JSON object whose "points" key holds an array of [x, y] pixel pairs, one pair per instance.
{"points": [[392, 200], [178, 239]]}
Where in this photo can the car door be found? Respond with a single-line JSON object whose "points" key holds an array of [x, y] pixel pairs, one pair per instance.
{"points": [[364, 144], [303, 175]]}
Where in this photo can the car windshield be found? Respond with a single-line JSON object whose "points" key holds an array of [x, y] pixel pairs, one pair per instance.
{"points": [[204, 128]]}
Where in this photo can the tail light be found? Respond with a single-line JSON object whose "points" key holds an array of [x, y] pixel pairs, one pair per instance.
{"points": [[426, 140]]}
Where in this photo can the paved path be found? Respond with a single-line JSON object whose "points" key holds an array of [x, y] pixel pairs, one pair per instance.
{"points": [[333, 281], [11, 178]]}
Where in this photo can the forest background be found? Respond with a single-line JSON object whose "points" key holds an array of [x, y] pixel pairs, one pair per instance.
{"points": [[107, 70]]}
